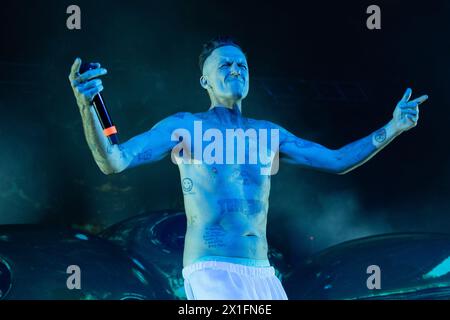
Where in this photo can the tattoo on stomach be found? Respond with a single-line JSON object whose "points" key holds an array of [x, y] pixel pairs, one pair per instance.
{"points": [[213, 237], [244, 206]]}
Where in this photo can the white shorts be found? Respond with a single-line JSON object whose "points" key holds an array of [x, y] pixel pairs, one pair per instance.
{"points": [[222, 280]]}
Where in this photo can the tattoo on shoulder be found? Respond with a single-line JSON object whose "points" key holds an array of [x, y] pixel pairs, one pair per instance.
{"points": [[380, 135]]}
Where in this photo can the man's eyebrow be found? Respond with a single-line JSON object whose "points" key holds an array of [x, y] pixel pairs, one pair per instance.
{"points": [[228, 59]]}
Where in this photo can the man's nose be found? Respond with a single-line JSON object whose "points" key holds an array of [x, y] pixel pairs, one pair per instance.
{"points": [[234, 70]]}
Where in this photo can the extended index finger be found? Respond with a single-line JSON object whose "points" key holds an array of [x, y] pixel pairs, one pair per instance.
{"points": [[420, 99]]}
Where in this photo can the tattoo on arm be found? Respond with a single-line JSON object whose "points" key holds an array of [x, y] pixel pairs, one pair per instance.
{"points": [[145, 155], [295, 144], [110, 150], [358, 152], [98, 144], [299, 143], [380, 135], [303, 144]]}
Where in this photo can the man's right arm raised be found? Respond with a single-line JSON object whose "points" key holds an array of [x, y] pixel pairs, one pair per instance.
{"points": [[150, 146]]}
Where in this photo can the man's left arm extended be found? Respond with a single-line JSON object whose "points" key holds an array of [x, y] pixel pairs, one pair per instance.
{"points": [[340, 161]]}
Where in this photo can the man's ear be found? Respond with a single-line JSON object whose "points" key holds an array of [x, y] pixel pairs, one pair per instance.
{"points": [[204, 82]]}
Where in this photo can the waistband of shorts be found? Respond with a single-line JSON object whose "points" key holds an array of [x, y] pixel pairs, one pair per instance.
{"points": [[250, 267], [243, 261]]}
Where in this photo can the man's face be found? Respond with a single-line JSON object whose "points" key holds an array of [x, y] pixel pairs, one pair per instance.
{"points": [[226, 74]]}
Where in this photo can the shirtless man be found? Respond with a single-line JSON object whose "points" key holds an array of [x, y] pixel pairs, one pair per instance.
{"points": [[226, 204]]}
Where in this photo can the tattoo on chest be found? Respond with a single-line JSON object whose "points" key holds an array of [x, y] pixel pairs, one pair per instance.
{"points": [[192, 219], [241, 176], [244, 206], [187, 185], [380, 135], [213, 173], [213, 237]]}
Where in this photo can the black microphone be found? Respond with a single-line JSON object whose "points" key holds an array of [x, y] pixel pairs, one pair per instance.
{"points": [[109, 129]]}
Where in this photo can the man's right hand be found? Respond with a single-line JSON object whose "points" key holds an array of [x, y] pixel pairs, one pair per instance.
{"points": [[84, 86]]}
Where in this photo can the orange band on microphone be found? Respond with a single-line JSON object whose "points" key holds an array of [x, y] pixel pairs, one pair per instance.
{"points": [[109, 131]]}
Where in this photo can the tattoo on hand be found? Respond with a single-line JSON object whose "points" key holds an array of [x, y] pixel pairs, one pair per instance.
{"points": [[380, 135]]}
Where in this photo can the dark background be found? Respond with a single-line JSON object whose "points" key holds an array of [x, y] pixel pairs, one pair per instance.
{"points": [[315, 69]]}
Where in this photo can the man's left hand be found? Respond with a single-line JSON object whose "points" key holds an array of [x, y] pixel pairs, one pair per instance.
{"points": [[406, 113]]}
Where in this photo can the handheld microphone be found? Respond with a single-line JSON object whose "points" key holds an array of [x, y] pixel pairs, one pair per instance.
{"points": [[109, 129]]}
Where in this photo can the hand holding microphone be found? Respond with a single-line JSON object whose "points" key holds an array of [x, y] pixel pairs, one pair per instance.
{"points": [[87, 92]]}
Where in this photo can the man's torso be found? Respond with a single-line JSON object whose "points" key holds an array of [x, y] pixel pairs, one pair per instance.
{"points": [[226, 203]]}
